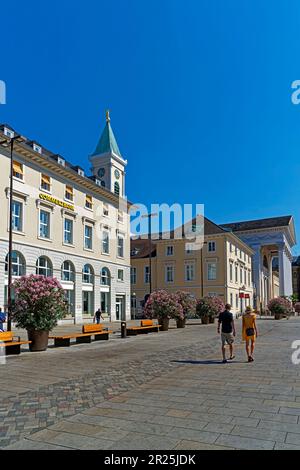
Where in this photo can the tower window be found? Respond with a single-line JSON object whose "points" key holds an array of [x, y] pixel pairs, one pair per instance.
{"points": [[117, 188]]}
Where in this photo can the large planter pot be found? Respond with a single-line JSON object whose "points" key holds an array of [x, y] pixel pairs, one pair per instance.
{"points": [[39, 340], [164, 324], [278, 316], [205, 320], [211, 319], [181, 323]]}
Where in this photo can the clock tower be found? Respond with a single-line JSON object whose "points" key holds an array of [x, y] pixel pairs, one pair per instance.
{"points": [[108, 165]]}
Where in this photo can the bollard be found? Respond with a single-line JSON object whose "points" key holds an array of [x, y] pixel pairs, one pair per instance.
{"points": [[123, 329]]}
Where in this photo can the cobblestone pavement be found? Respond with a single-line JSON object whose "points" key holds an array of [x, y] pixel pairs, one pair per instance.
{"points": [[166, 390]]}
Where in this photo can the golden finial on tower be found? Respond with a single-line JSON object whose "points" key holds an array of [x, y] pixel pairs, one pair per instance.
{"points": [[107, 116]]}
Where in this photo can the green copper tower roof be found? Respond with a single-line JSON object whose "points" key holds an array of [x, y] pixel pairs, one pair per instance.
{"points": [[107, 142]]}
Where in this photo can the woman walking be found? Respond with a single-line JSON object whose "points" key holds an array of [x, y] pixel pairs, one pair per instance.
{"points": [[249, 331]]}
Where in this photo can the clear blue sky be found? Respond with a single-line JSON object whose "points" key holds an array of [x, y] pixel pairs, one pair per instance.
{"points": [[199, 93]]}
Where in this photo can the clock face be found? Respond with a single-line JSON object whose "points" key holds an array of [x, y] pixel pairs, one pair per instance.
{"points": [[101, 172], [117, 174]]}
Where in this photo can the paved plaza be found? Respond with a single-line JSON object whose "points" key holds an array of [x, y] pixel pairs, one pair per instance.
{"points": [[166, 390]]}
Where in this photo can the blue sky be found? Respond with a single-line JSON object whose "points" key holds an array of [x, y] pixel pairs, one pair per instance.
{"points": [[199, 93]]}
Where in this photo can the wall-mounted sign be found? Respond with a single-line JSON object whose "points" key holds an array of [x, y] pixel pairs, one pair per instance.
{"points": [[47, 197]]}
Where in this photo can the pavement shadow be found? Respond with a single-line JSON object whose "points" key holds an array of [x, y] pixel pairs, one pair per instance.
{"points": [[208, 362]]}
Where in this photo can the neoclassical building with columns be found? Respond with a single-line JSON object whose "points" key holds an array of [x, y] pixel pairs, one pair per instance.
{"points": [[272, 240], [68, 224]]}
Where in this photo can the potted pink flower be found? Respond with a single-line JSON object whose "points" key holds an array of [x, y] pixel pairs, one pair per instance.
{"points": [[188, 304], [280, 307], [39, 304], [208, 308], [163, 306]]}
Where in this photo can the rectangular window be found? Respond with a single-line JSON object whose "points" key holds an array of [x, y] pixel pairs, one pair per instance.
{"points": [[231, 247], [105, 242], [88, 237], [120, 217], [17, 216], [249, 278], [237, 300], [212, 271], [121, 247], [133, 275], [68, 231], [105, 209], [170, 250], [88, 202], [236, 273], [18, 170], [44, 224], [45, 183], [245, 276], [147, 274], [120, 275], [169, 273], [190, 272], [37, 148], [231, 272], [188, 248], [236, 251], [69, 194], [231, 299], [211, 246], [241, 275]]}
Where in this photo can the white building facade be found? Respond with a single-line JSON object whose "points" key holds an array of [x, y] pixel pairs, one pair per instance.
{"points": [[68, 225]]}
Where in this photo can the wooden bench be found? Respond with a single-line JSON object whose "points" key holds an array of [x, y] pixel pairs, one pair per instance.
{"points": [[147, 326], [85, 337], [11, 343]]}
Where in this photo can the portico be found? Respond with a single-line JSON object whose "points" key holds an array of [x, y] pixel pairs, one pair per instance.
{"points": [[270, 239]]}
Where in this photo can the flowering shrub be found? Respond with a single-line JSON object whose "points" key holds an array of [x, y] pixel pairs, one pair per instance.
{"points": [[187, 302], [39, 302], [280, 305], [161, 304], [209, 307]]}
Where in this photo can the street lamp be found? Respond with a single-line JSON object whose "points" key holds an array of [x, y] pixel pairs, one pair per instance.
{"points": [[10, 143], [150, 247]]}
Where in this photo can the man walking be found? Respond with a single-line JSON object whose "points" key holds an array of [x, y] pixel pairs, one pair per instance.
{"points": [[98, 316], [227, 332]]}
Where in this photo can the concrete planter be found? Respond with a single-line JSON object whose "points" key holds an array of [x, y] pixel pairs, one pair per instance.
{"points": [[181, 323], [278, 316], [39, 340], [205, 320], [164, 324]]}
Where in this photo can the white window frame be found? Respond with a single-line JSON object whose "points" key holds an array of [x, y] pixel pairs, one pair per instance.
{"points": [[231, 272], [72, 231], [48, 268], [104, 252], [146, 274], [120, 247], [121, 279], [37, 148], [209, 267], [133, 275], [171, 249], [20, 217], [41, 184], [169, 270], [211, 246], [189, 272], [105, 209], [66, 198], [40, 224], [90, 248]]}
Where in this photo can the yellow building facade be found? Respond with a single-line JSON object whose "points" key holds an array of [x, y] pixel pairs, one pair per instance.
{"points": [[222, 267]]}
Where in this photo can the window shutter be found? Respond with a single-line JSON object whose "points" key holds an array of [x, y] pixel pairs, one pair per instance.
{"points": [[17, 167]]}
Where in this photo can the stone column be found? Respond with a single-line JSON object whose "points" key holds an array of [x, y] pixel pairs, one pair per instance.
{"points": [[285, 271], [271, 295], [256, 267]]}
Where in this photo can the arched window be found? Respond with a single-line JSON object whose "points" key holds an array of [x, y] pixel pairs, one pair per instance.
{"points": [[105, 277], [18, 264], [117, 188], [44, 266], [87, 274], [67, 271]]}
